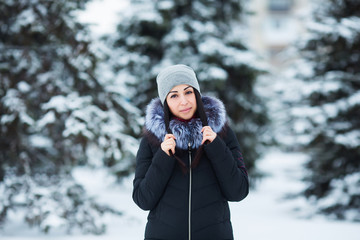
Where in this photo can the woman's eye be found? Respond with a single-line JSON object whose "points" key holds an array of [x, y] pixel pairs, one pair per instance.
{"points": [[173, 96], [189, 92]]}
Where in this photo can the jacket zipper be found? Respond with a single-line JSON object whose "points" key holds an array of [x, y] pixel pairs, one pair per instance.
{"points": [[190, 189]]}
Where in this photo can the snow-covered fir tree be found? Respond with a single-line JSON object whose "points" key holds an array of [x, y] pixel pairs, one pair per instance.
{"points": [[326, 110], [206, 35], [55, 114]]}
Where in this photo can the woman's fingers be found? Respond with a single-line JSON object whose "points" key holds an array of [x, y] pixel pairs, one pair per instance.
{"points": [[168, 144], [168, 136], [208, 134]]}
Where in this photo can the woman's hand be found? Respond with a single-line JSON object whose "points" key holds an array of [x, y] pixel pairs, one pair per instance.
{"points": [[208, 134], [168, 144]]}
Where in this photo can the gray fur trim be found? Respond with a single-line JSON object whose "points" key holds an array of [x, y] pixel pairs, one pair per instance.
{"points": [[185, 132]]}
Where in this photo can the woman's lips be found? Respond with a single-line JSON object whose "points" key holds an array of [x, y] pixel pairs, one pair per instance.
{"points": [[186, 110]]}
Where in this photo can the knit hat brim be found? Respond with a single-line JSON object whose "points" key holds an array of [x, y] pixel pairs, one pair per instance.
{"points": [[175, 75]]}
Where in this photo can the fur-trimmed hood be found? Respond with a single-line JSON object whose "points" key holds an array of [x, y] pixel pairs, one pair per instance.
{"points": [[185, 132]]}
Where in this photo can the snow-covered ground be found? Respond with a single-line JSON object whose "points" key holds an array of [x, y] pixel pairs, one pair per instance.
{"points": [[264, 214]]}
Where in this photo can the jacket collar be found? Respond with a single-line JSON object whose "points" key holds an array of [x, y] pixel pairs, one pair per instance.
{"points": [[185, 131]]}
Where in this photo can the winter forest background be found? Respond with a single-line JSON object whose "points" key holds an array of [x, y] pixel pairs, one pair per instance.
{"points": [[73, 95]]}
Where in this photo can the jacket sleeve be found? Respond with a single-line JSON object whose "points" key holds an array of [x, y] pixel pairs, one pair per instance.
{"points": [[229, 167], [151, 175]]}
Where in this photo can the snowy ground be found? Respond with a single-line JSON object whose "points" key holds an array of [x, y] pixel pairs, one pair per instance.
{"points": [[264, 214]]}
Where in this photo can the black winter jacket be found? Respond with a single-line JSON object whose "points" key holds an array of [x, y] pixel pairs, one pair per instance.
{"points": [[192, 204]]}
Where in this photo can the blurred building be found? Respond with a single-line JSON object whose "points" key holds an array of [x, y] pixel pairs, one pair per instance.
{"points": [[274, 25]]}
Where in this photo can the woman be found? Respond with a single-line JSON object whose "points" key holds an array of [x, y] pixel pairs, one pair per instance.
{"points": [[189, 163]]}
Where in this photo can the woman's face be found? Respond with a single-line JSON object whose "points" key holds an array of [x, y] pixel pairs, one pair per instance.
{"points": [[182, 101]]}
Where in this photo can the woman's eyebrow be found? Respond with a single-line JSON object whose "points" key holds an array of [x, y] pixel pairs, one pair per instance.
{"points": [[177, 91]]}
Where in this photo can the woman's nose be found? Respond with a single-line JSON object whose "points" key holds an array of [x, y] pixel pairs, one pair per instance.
{"points": [[183, 100]]}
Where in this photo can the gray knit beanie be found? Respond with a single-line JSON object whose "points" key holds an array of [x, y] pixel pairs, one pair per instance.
{"points": [[173, 76]]}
